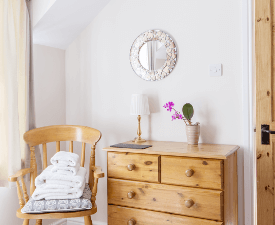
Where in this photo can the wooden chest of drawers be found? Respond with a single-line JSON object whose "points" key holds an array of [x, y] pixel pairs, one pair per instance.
{"points": [[173, 183]]}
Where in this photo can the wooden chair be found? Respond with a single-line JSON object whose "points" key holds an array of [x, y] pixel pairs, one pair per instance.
{"points": [[56, 134]]}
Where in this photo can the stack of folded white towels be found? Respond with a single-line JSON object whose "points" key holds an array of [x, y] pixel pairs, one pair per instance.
{"points": [[64, 179]]}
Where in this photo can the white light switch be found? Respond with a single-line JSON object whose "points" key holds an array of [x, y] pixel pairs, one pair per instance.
{"points": [[215, 70]]}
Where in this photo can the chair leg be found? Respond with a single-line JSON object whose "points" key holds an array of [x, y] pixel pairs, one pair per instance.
{"points": [[38, 222], [87, 220], [26, 222]]}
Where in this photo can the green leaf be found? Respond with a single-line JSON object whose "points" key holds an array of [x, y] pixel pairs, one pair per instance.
{"points": [[188, 111]]}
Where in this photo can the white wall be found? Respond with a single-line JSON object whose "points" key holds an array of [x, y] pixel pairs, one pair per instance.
{"points": [[9, 205], [49, 89], [100, 81]]}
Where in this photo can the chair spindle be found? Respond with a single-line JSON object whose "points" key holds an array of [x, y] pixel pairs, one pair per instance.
{"points": [[71, 146], [58, 146], [91, 169], [45, 156], [26, 197], [38, 222], [87, 220], [83, 154], [34, 167], [20, 195], [26, 222], [94, 191]]}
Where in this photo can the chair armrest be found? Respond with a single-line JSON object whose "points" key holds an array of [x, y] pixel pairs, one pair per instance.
{"points": [[20, 174], [98, 172]]}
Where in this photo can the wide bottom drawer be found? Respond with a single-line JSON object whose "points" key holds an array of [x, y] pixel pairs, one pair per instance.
{"points": [[125, 216], [194, 202]]}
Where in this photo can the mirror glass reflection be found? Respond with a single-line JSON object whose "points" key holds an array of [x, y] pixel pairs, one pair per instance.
{"points": [[152, 55]]}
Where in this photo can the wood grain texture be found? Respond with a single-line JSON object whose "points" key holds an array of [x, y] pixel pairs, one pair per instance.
{"points": [[24, 188], [207, 173], [71, 147], [264, 68], [208, 204], [272, 22], [34, 168], [38, 222], [20, 195], [83, 154], [45, 164], [62, 133], [58, 146], [231, 190], [87, 220], [98, 172], [121, 215], [26, 222], [94, 191], [19, 174], [181, 149], [92, 167], [272, 125], [146, 167]]}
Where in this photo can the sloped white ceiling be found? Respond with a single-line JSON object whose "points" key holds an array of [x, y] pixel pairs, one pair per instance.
{"points": [[65, 20], [40, 7]]}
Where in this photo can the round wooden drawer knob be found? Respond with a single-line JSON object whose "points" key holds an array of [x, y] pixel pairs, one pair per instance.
{"points": [[131, 222], [131, 167], [131, 194], [189, 203], [189, 172]]}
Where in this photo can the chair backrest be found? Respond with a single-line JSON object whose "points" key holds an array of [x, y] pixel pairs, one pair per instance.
{"points": [[59, 133]]}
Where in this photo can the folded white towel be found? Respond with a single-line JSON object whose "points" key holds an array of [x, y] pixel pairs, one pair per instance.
{"points": [[66, 170], [57, 193], [47, 176], [65, 183], [52, 186], [65, 158]]}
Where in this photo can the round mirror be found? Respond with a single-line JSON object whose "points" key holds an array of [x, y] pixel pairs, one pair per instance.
{"points": [[153, 55]]}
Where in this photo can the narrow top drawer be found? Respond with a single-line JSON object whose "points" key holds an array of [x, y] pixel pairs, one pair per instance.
{"points": [[194, 172], [129, 166]]}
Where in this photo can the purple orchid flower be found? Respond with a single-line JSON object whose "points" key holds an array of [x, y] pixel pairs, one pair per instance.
{"points": [[169, 106], [177, 115]]}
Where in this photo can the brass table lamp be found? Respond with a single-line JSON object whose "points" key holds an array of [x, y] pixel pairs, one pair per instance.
{"points": [[139, 107]]}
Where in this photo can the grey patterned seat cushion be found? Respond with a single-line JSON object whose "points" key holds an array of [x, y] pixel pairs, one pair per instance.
{"points": [[60, 205]]}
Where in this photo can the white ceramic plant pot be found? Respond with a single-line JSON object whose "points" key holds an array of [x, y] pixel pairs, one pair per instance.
{"points": [[193, 134]]}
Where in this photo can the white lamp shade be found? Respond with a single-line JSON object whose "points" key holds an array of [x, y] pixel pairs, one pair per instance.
{"points": [[139, 105]]}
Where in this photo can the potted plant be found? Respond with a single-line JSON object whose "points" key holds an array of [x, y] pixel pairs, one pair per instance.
{"points": [[192, 130]]}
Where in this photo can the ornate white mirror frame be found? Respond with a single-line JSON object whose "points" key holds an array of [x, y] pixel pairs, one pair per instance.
{"points": [[171, 55]]}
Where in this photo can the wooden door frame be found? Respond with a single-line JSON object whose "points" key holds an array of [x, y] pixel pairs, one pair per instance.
{"points": [[264, 72]]}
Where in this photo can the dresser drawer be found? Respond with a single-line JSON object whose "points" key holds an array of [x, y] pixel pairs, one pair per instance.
{"points": [[133, 166], [121, 216], [187, 201], [194, 172]]}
